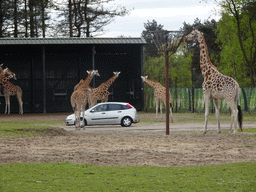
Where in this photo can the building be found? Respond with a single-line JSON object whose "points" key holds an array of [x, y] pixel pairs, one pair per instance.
{"points": [[47, 69]]}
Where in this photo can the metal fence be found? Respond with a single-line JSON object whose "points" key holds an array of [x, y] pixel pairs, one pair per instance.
{"points": [[188, 99]]}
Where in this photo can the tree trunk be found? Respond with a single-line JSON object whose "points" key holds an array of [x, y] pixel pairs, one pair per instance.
{"points": [[31, 15], [15, 14], [87, 28], [26, 19], [1, 18], [43, 17], [70, 18], [245, 100]]}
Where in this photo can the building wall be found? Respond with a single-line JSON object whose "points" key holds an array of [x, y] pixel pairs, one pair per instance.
{"points": [[65, 65]]}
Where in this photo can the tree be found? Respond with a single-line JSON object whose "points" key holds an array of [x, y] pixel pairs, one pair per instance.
{"points": [[179, 70], [150, 49], [242, 14], [239, 44], [232, 62], [23, 18], [88, 17], [4, 17]]}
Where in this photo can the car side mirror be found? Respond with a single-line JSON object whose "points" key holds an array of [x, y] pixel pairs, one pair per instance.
{"points": [[92, 111]]}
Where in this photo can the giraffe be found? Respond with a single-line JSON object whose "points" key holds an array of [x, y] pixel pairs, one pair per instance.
{"points": [[79, 97], [159, 94], [5, 75], [10, 90], [216, 85], [101, 92], [80, 83], [83, 84]]}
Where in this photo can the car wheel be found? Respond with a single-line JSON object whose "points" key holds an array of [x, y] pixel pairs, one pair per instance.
{"points": [[126, 122]]}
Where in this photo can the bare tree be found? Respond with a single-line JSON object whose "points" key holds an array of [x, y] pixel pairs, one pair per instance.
{"points": [[87, 17]]}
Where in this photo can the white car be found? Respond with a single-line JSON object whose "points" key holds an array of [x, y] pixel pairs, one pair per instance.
{"points": [[108, 113]]}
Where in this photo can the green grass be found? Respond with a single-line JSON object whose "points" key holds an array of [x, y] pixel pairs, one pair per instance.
{"points": [[19, 128], [72, 177]]}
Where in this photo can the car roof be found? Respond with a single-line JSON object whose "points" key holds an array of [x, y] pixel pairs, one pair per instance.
{"points": [[123, 103]]}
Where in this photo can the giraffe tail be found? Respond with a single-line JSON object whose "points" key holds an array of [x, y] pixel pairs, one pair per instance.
{"points": [[240, 117]]}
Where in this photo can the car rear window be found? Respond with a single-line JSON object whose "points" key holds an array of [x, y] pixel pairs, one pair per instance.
{"points": [[114, 107], [126, 106]]}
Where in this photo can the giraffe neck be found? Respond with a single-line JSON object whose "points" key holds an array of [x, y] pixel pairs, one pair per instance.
{"points": [[4, 79], [151, 83], [109, 82], [5, 83], [205, 64], [88, 79]]}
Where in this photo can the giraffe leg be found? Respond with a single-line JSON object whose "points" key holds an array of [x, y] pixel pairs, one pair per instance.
{"points": [[217, 113], [20, 104], [161, 109], [77, 115], [9, 107], [156, 100], [207, 102], [82, 125], [234, 115], [6, 104]]}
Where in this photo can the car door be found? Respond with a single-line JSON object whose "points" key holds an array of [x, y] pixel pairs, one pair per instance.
{"points": [[98, 115], [114, 113]]}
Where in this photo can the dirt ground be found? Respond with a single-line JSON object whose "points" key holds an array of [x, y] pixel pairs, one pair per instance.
{"points": [[134, 147]]}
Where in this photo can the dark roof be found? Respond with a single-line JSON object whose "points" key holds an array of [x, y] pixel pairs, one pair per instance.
{"points": [[77, 40]]}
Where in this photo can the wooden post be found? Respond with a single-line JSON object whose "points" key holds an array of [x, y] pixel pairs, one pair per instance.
{"points": [[167, 89]]}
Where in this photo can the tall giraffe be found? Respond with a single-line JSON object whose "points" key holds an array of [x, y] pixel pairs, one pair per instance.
{"points": [[216, 85], [10, 90], [79, 97], [159, 94], [101, 92]]}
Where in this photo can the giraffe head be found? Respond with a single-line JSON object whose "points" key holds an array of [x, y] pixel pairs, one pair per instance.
{"points": [[93, 72], [116, 73], [144, 78], [194, 35], [7, 74]]}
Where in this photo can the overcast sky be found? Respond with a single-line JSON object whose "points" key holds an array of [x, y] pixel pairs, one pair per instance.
{"points": [[169, 13]]}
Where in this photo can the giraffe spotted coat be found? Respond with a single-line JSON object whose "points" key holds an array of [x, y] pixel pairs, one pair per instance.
{"points": [[216, 85]]}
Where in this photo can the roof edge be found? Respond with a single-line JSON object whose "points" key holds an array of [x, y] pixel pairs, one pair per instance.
{"points": [[73, 40]]}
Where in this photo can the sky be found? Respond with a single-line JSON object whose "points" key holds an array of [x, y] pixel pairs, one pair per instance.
{"points": [[169, 13]]}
